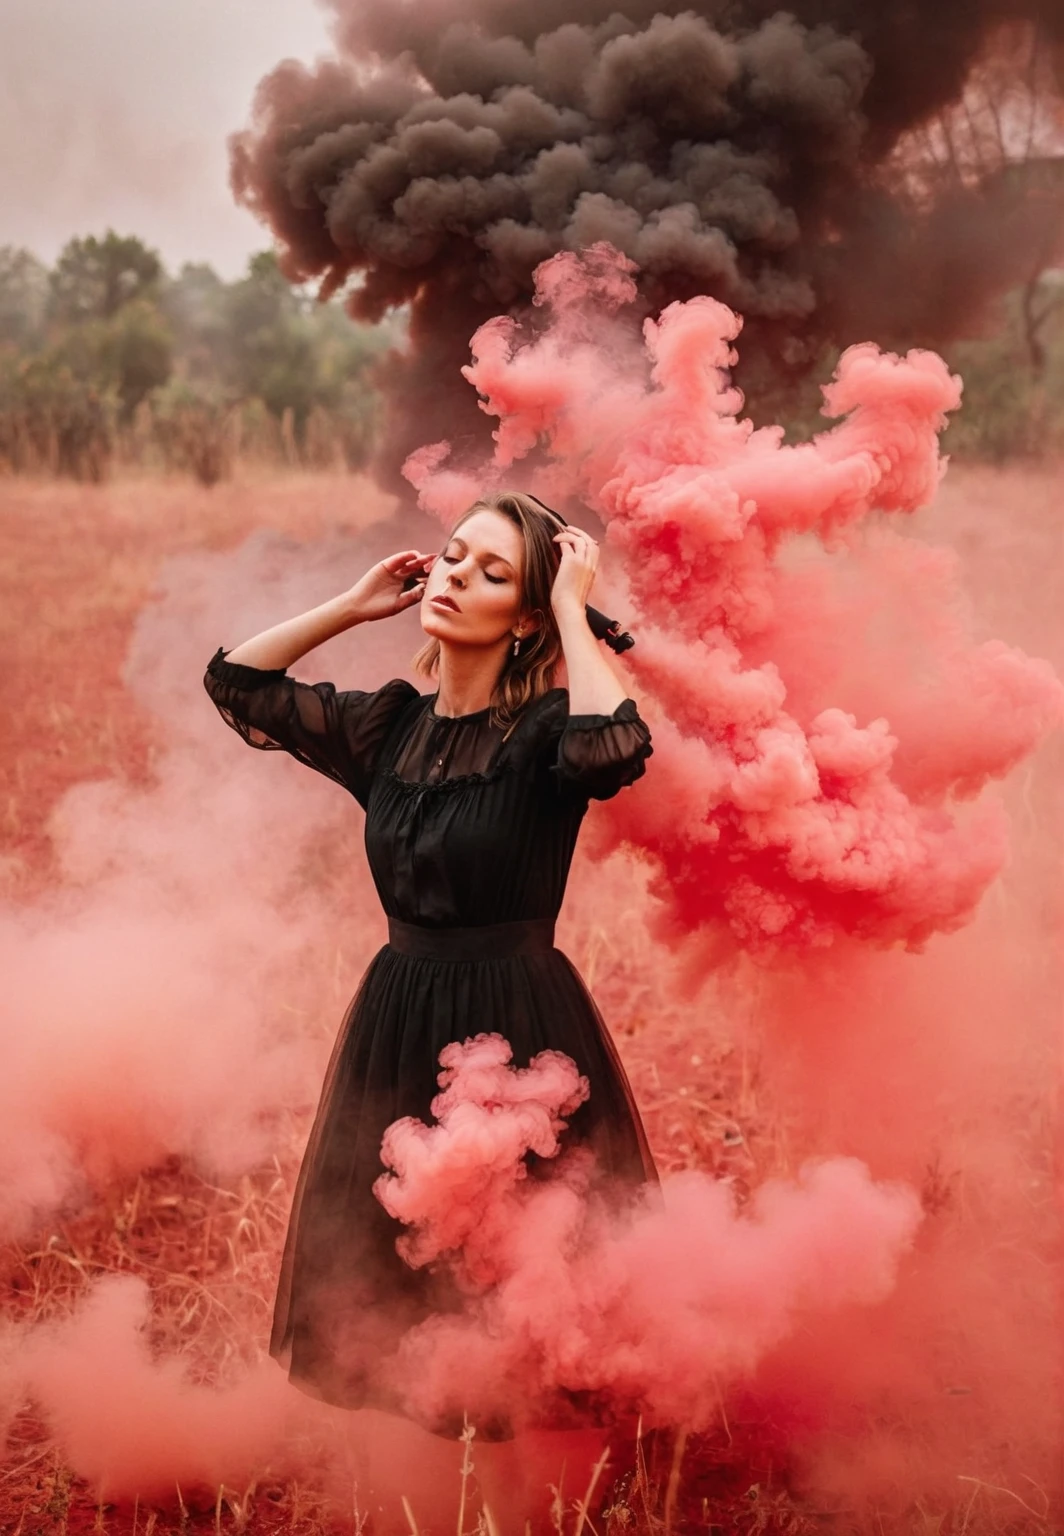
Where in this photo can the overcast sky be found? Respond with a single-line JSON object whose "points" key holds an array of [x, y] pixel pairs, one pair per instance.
{"points": [[115, 113]]}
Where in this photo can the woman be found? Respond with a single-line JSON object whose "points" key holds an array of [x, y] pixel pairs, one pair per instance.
{"points": [[473, 796]]}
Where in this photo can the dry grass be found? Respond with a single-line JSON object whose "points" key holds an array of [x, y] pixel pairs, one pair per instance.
{"points": [[76, 565]]}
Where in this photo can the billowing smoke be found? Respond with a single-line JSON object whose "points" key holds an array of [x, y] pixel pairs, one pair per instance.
{"points": [[727, 149], [655, 1310], [806, 787]]}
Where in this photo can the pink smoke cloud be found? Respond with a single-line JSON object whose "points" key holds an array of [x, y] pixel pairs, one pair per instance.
{"points": [[173, 995], [131, 1423], [450, 1190], [778, 811], [654, 1307]]}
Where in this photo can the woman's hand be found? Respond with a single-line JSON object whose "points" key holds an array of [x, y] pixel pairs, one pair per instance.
{"points": [[576, 574], [380, 593]]}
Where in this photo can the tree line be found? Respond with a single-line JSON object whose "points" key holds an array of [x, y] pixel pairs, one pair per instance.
{"points": [[108, 356]]}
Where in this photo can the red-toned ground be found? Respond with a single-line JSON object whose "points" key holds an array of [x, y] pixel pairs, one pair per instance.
{"points": [[77, 565]]}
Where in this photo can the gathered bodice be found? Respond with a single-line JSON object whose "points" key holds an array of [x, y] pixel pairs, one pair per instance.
{"points": [[465, 824]]}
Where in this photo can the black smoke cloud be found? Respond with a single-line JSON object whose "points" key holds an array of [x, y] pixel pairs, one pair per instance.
{"points": [[728, 149]]}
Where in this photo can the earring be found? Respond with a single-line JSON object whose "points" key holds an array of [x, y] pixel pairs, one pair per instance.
{"points": [[517, 644]]}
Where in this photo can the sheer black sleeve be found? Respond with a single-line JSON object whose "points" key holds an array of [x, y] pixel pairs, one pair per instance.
{"points": [[338, 734], [597, 755]]}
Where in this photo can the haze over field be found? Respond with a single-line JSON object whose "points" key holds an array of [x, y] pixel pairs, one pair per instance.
{"points": [[116, 113]]}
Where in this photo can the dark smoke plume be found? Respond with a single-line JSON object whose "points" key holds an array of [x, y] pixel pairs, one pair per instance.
{"points": [[727, 148]]}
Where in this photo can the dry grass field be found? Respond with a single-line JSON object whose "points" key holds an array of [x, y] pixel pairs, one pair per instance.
{"points": [[78, 567]]}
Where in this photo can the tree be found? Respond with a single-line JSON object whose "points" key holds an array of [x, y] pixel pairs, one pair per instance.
{"points": [[1003, 142], [128, 355], [272, 341], [94, 278], [23, 297], [195, 304], [136, 353]]}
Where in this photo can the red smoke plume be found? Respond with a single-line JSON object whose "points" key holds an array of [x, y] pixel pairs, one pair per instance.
{"points": [[787, 804], [655, 1311]]}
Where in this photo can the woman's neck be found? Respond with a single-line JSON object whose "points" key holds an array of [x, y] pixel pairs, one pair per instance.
{"points": [[468, 678]]}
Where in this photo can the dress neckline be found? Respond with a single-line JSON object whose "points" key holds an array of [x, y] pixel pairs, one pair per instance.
{"points": [[477, 714]]}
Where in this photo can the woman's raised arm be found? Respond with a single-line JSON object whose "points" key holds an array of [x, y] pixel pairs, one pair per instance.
{"points": [[378, 595], [338, 734]]}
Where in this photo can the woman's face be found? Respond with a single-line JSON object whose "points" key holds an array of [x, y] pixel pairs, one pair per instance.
{"points": [[480, 570]]}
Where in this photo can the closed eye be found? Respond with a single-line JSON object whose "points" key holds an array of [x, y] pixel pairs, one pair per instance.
{"points": [[453, 560]]}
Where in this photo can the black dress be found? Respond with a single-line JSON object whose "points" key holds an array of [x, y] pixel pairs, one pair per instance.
{"points": [[470, 833]]}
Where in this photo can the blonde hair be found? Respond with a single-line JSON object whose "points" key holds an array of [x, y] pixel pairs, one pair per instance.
{"points": [[530, 673]]}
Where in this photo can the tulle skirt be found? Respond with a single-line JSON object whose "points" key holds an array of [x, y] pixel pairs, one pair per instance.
{"points": [[344, 1295]]}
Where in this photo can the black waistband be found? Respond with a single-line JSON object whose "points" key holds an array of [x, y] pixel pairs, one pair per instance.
{"points": [[491, 941]]}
